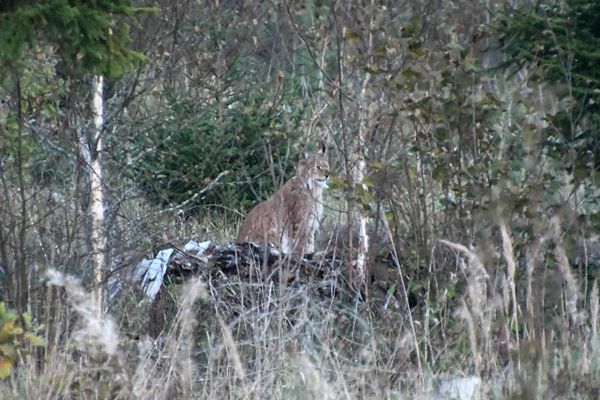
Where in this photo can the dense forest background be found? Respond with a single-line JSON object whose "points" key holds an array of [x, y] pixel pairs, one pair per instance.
{"points": [[465, 150]]}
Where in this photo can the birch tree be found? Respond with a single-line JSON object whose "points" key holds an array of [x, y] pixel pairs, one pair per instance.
{"points": [[89, 38], [90, 146]]}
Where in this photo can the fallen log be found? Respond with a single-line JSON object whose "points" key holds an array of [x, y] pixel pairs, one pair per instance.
{"points": [[247, 261], [227, 270]]}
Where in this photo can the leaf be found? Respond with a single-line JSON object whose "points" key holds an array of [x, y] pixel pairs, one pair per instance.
{"points": [[472, 66], [364, 196], [418, 51], [8, 350], [389, 215], [380, 51], [441, 133], [9, 328], [580, 172], [461, 189], [35, 340], [353, 36], [376, 165], [27, 319], [5, 367], [335, 182], [391, 291], [439, 173]]}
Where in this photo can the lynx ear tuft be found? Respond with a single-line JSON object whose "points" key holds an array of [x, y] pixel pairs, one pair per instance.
{"points": [[322, 146]]}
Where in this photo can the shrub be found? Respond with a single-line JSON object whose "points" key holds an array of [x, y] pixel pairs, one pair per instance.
{"points": [[15, 336]]}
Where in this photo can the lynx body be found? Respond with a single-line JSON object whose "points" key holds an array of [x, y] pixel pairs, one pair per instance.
{"points": [[290, 218]]}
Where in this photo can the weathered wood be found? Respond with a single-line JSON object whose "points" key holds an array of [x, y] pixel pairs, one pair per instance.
{"points": [[247, 262], [232, 271]]}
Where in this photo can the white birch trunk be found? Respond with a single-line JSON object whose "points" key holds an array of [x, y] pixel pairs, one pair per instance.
{"points": [[358, 178], [97, 194], [92, 157], [360, 171]]}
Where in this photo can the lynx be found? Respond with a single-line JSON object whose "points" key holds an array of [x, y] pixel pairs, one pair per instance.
{"points": [[290, 218]]}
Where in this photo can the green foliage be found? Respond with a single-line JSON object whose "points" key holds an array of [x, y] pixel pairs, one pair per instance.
{"points": [[40, 99], [560, 42], [195, 142], [14, 339], [234, 108], [555, 162], [89, 35]]}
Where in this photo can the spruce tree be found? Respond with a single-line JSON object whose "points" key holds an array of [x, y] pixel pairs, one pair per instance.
{"points": [[561, 40]]}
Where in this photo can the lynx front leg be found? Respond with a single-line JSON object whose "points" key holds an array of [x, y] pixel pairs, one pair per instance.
{"points": [[310, 243], [287, 244], [299, 240]]}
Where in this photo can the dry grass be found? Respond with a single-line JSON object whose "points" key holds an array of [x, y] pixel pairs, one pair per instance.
{"points": [[518, 324]]}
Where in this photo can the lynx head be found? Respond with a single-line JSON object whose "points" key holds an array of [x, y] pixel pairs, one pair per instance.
{"points": [[313, 170]]}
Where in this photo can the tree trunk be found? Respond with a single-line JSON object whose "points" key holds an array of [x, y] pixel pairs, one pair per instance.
{"points": [[21, 266], [91, 152], [97, 194], [359, 154], [353, 147], [359, 176]]}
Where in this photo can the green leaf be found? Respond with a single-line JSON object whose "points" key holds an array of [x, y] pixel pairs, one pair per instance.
{"points": [[472, 66], [5, 367], [335, 182], [439, 173], [8, 350], [391, 291], [27, 319], [35, 340]]}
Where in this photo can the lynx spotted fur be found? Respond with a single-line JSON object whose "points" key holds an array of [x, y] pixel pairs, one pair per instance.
{"points": [[290, 218]]}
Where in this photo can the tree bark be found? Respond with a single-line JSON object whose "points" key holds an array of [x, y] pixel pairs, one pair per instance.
{"points": [[91, 152], [359, 176], [359, 154], [22, 273]]}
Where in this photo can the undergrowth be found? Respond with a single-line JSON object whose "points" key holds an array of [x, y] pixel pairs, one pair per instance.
{"points": [[520, 324]]}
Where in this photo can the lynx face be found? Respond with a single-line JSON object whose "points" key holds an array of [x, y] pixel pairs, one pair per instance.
{"points": [[314, 170], [290, 218]]}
